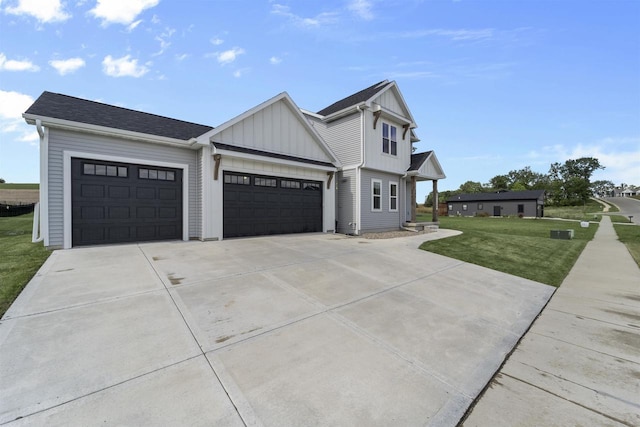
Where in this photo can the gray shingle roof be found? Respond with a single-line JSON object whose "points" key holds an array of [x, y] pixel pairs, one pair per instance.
{"points": [[354, 99], [418, 159], [505, 195], [66, 107]]}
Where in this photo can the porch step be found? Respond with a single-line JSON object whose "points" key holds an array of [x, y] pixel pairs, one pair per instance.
{"points": [[422, 226]]}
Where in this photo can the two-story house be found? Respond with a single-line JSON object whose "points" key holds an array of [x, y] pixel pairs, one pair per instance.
{"points": [[371, 133], [114, 175]]}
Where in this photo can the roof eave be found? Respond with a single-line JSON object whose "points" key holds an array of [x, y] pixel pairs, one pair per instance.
{"points": [[54, 123]]}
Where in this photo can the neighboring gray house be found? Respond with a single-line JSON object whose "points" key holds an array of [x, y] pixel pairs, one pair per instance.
{"points": [[114, 175], [371, 133], [528, 203]]}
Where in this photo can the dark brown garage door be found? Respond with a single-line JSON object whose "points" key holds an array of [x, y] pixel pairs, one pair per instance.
{"points": [[256, 205], [120, 202]]}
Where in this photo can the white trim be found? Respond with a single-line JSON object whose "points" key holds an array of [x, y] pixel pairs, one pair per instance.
{"points": [[67, 210], [44, 187], [273, 160], [373, 196], [396, 196], [108, 131]]}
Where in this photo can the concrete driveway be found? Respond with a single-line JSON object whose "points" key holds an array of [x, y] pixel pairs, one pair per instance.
{"points": [[289, 330]]}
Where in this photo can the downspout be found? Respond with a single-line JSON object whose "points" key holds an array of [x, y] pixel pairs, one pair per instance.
{"points": [[36, 232], [363, 162]]}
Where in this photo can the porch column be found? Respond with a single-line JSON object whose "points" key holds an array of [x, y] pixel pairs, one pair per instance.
{"points": [[434, 214], [413, 198]]}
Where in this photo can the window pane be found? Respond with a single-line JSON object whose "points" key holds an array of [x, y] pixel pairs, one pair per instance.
{"points": [[394, 147], [143, 173], [122, 171], [112, 171], [393, 204], [171, 176], [376, 188], [89, 169], [227, 179], [385, 145], [393, 190], [376, 202], [393, 133], [162, 175], [246, 180], [385, 130], [153, 174], [101, 170]]}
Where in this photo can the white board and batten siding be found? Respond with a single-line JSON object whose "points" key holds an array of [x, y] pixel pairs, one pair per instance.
{"points": [[384, 219], [276, 129], [126, 151]]}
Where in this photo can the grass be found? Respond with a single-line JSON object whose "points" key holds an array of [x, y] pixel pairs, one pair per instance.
{"points": [[6, 186], [587, 212], [20, 258], [620, 218], [521, 247], [630, 236]]}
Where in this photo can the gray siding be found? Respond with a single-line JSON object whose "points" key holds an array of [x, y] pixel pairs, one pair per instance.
{"points": [[379, 220], [61, 140], [343, 136], [508, 207], [346, 209]]}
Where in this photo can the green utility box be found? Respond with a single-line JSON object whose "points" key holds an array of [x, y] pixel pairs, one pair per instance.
{"points": [[562, 234]]}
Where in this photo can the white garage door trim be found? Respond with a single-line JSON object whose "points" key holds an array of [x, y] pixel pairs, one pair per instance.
{"points": [[67, 155]]}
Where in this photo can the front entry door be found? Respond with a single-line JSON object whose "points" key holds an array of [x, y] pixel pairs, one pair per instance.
{"points": [[496, 211]]}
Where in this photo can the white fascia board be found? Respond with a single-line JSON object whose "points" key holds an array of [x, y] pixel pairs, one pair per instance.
{"points": [[265, 159], [344, 112], [311, 113], [107, 131], [396, 90]]}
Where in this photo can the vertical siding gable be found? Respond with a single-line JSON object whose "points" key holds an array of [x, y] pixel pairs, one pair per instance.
{"points": [[390, 101], [274, 128]]}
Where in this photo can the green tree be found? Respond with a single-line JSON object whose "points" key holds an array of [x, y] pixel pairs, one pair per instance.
{"points": [[499, 182], [2, 181], [602, 188], [471, 187], [570, 182]]}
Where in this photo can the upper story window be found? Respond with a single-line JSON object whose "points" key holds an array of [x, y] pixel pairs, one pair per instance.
{"points": [[389, 140]]}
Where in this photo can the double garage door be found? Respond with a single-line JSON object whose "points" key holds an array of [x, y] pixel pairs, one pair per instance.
{"points": [[255, 205], [121, 202]]}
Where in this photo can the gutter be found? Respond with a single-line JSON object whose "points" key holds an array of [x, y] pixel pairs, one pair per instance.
{"points": [[36, 231]]}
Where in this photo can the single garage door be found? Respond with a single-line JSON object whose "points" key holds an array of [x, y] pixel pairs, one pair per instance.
{"points": [[256, 205], [120, 202]]}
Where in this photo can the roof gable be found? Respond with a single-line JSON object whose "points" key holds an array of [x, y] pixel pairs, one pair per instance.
{"points": [[426, 166], [354, 99], [69, 108], [276, 126]]}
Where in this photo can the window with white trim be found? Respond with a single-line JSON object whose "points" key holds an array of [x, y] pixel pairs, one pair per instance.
{"points": [[393, 197], [389, 139], [376, 195]]}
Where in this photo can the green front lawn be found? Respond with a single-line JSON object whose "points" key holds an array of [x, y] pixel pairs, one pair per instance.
{"points": [[20, 258], [587, 212], [521, 247], [8, 186], [630, 236]]}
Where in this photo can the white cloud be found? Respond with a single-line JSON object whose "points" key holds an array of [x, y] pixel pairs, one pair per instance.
{"points": [[66, 66], [241, 72], [274, 60], [163, 39], [312, 22], [15, 65], [362, 8], [123, 67], [133, 25], [229, 56], [619, 156], [182, 57], [12, 105], [121, 12], [43, 10], [455, 35], [216, 41]]}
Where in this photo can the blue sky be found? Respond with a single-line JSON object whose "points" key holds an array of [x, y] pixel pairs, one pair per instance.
{"points": [[493, 85]]}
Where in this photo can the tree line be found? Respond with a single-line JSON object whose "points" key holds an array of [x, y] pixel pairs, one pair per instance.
{"points": [[565, 184]]}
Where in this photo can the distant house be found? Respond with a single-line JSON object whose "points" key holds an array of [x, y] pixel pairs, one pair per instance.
{"points": [[521, 203], [627, 192]]}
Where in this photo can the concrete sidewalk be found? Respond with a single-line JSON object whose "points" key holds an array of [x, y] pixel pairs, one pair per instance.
{"points": [[579, 364]]}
